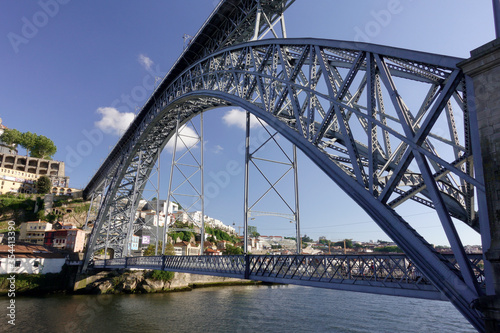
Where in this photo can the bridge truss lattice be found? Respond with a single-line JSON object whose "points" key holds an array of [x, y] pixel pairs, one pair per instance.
{"points": [[386, 125]]}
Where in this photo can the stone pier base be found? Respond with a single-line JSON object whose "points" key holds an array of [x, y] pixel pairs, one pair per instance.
{"points": [[484, 69]]}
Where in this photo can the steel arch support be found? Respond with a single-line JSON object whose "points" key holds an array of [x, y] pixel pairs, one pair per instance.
{"points": [[430, 262], [270, 79]]}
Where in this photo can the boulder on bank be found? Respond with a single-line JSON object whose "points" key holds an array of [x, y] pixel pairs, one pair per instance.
{"points": [[152, 286], [146, 281]]}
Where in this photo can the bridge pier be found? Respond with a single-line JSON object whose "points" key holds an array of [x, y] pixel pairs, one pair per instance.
{"points": [[484, 68]]}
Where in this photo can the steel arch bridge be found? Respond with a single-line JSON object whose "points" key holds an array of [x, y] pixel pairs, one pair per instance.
{"points": [[387, 125]]}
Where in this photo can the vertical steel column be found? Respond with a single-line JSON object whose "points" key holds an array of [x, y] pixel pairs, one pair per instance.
{"points": [[247, 160], [101, 199], [296, 188], [283, 28], [107, 233], [158, 204], [130, 232], [172, 166], [257, 21], [90, 208], [202, 189]]}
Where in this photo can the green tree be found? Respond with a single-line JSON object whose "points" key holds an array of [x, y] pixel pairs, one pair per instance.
{"points": [[35, 145], [388, 249], [11, 136], [151, 250], [255, 234], [43, 148], [232, 250], [307, 239], [348, 243], [43, 185], [28, 141], [169, 250], [186, 236], [324, 241]]}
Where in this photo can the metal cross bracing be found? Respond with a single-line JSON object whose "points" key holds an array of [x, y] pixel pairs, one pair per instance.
{"points": [[286, 164], [379, 121], [390, 274], [188, 166]]}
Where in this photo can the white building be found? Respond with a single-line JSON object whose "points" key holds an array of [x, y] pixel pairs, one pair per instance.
{"points": [[186, 249], [30, 259], [195, 218]]}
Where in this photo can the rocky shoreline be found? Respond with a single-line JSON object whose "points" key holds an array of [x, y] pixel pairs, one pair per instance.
{"points": [[119, 282], [140, 282]]}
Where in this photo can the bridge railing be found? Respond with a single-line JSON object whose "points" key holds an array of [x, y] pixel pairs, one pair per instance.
{"points": [[477, 265], [338, 269], [376, 271], [230, 265], [332, 268], [153, 262]]}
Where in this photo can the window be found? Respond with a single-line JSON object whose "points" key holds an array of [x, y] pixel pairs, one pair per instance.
{"points": [[18, 263], [36, 264]]}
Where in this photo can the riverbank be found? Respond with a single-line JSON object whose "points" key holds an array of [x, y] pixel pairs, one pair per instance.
{"points": [[140, 282], [113, 282], [38, 284]]}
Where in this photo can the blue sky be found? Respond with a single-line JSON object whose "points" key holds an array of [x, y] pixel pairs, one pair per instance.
{"points": [[77, 72]]}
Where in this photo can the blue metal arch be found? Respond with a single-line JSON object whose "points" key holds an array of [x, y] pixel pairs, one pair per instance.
{"points": [[187, 97], [431, 263]]}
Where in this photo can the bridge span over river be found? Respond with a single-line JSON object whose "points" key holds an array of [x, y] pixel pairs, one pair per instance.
{"points": [[390, 274], [345, 106]]}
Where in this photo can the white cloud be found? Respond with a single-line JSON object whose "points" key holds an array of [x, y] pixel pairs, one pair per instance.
{"points": [[113, 121], [188, 136], [237, 118], [145, 61]]}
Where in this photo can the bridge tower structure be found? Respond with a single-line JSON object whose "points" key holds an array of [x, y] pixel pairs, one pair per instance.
{"points": [[483, 67], [389, 126]]}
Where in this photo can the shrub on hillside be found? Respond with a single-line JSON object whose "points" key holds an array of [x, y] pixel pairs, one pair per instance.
{"points": [[164, 276]]}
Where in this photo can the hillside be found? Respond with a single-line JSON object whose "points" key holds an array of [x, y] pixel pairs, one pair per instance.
{"points": [[23, 208]]}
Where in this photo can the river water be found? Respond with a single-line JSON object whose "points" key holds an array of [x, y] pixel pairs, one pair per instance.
{"points": [[235, 309]]}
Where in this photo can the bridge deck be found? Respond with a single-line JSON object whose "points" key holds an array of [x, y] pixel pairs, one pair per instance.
{"points": [[378, 274]]}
